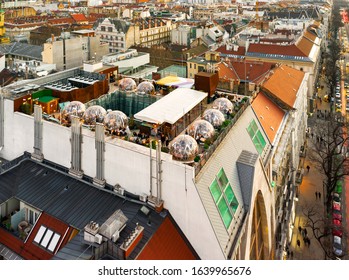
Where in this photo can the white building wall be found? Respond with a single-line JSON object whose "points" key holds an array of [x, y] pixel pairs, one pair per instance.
{"points": [[2, 62]]}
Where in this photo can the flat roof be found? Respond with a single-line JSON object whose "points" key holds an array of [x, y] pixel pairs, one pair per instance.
{"points": [[172, 106]]}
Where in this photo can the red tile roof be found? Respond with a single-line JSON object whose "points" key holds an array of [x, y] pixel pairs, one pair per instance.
{"points": [[79, 17], [166, 244], [269, 115], [253, 71], [223, 49], [291, 50], [226, 72], [284, 84], [305, 45], [30, 250], [57, 21]]}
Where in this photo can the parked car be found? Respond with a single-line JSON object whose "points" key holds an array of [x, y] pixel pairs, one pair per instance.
{"points": [[336, 197], [336, 206], [337, 215], [337, 223], [337, 232], [337, 246]]}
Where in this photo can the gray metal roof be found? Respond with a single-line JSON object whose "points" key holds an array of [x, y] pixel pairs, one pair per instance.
{"points": [[278, 56], [75, 202], [246, 167], [49, 188], [8, 254], [22, 49]]}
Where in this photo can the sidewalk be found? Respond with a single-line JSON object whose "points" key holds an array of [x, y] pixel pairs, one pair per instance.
{"points": [[312, 182]]}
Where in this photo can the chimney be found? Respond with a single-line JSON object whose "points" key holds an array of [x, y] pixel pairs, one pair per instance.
{"points": [[132, 241], [52, 38]]}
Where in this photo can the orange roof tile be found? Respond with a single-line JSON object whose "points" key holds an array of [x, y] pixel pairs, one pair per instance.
{"points": [[269, 115], [167, 244], [226, 72], [309, 35], [305, 45], [252, 71], [284, 84], [79, 17]]}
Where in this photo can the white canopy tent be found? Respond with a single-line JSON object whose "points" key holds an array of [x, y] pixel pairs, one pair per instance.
{"points": [[171, 107]]}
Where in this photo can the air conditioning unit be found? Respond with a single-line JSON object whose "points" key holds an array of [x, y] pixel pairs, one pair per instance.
{"points": [[115, 236], [143, 197], [118, 189], [98, 238]]}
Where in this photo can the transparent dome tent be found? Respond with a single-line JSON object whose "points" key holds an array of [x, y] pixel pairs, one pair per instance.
{"points": [[127, 84], [201, 129], [224, 105], [115, 120], [74, 108], [184, 148], [214, 117], [146, 88], [94, 114]]}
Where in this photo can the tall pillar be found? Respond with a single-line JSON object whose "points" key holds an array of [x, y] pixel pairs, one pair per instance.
{"points": [[100, 149], [75, 141], [37, 154]]}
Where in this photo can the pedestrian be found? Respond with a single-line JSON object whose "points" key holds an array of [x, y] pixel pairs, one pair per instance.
{"points": [[319, 194], [305, 232], [308, 168], [300, 229], [298, 243], [312, 134], [308, 242], [316, 194]]}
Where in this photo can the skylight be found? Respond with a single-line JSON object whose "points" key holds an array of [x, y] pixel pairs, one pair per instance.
{"points": [[47, 238]]}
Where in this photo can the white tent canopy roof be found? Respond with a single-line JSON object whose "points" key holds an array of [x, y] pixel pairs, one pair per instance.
{"points": [[172, 106]]}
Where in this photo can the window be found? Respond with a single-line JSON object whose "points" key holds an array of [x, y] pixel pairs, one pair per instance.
{"points": [[102, 28], [47, 238], [224, 197], [32, 216], [256, 136]]}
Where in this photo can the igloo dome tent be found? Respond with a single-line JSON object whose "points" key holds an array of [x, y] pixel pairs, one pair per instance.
{"points": [[184, 148], [74, 108], [214, 117], [201, 128], [127, 84], [146, 88], [224, 105], [94, 114], [115, 120]]}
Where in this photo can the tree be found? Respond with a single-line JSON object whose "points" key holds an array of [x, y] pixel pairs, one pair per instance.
{"points": [[321, 229], [328, 152]]}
